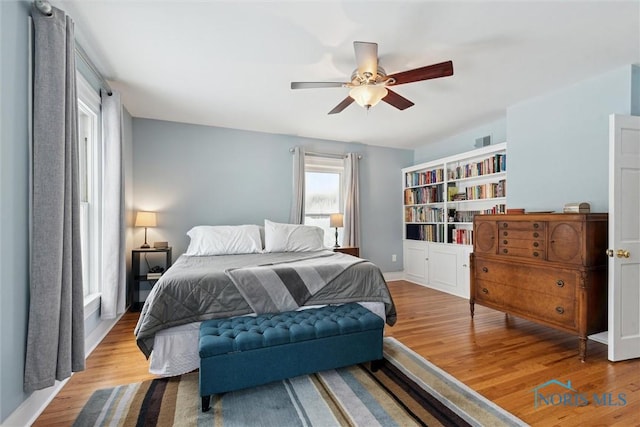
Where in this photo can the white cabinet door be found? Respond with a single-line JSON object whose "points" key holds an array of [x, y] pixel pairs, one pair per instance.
{"points": [[445, 269], [624, 238], [464, 271], [415, 261]]}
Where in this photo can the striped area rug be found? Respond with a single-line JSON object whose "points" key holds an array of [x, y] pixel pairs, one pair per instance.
{"points": [[406, 391]]}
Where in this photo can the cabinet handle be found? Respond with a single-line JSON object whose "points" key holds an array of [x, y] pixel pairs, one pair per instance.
{"points": [[560, 283], [485, 290], [485, 269], [559, 310]]}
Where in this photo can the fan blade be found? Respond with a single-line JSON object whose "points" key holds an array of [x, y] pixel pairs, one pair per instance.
{"points": [[434, 71], [366, 57], [398, 101], [344, 104], [314, 85]]}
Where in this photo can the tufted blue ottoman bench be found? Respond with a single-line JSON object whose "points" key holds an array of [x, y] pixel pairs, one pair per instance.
{"points": [[247, 351]]}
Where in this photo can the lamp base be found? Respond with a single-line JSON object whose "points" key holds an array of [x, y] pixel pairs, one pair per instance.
{"points": [[336, 245], [145, 246]]}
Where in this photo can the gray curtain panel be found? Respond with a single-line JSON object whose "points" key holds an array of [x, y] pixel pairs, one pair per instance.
{"points": [[113, 221], [55, 336], [297, 200], [351, 230]]}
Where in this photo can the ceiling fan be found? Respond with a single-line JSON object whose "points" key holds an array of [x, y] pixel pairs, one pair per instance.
{"points": [[370, 83]]}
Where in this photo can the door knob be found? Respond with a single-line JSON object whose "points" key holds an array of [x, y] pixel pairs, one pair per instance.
{"points": [[610, 252], [622, 253]]}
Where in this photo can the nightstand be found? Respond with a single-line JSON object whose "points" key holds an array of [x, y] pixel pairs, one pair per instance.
{"points": [[350, 250], [136, 304]]}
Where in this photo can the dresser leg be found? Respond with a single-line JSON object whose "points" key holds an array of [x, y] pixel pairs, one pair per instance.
{"points": [[472, 307], [583, 348]]}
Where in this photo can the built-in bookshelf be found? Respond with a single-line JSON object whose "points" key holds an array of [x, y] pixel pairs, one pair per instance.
{"points": [[441, 197], [440, 200]]}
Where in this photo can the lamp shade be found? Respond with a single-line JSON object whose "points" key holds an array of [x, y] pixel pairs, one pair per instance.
{"points": [[336, 220], [368, 95], [145, 219]]}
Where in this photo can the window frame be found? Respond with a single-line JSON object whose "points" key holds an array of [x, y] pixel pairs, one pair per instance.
{"points": [[333, 165], [89, 104]]}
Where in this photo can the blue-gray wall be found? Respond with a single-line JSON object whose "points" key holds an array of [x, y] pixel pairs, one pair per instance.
{"points": [[462, 142], [193, 175], [558, 143], [14, 209]]}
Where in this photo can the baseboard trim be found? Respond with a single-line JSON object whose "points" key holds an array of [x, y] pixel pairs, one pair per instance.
{"points": [[29, 410], [393, 275]]}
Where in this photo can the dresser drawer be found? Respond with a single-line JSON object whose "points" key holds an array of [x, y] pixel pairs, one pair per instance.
{"points": [[518, 300], [520, 234], [521, 252], [548, 281], [521, 225], [521, 243]]}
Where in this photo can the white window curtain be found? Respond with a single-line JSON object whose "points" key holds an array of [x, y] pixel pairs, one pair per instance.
{"points": [[55, 332], [351, 231], [297, 200], [113, 297]]}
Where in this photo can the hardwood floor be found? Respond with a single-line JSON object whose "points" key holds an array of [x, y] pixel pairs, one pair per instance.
{"points": [[502, 357]]}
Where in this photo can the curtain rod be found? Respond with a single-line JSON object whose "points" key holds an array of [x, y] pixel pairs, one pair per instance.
{"points": [[330, 155], [45, 8]]}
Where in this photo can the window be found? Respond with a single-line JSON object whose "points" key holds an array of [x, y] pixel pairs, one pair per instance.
{"points": [[89, 176], [324, 194]]}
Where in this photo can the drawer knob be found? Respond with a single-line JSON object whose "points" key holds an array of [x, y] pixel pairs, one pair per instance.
{"points": [[560, 283], [536, 244], [505, 225], [506, 251], [485, 269], [536, 225], [536, 254], [485, 290], [505, 241], [506, 233], [536, 234], [559, 310]]}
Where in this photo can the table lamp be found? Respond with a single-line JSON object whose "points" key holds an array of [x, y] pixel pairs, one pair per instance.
{"points": [[145, 219], [336, 220]]}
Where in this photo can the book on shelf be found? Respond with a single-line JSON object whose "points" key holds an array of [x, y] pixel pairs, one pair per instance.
{"points": [[414, 179], [153, 276], [494, 164]]}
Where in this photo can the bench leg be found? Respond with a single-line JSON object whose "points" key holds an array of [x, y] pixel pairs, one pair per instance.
{"points": [[376, 364], [205, 403]]}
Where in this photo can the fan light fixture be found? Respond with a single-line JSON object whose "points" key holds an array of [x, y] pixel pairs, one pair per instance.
{"points": [[368, 95]]}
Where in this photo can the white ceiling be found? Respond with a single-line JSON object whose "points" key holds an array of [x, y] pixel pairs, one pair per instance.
{"points": [[230, 63]]}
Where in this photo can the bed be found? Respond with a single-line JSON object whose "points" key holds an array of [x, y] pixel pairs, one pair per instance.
{"points": [[231, 271]]}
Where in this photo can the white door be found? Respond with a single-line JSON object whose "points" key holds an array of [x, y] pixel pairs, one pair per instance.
{"points": [[624, 237]]}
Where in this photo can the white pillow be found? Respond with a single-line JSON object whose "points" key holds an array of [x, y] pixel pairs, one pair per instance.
{"points": [[224, 240], [292, 237]]}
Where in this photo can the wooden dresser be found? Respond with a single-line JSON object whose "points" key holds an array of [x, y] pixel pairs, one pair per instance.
{"points": [[547, 268]]}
